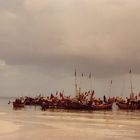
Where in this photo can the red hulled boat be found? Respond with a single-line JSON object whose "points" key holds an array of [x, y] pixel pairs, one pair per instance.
{"points": [[102, 107], [18, 103]]}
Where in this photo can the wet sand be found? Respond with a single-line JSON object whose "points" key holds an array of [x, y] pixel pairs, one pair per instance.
{"points": [[33, 124], [8, 127]]}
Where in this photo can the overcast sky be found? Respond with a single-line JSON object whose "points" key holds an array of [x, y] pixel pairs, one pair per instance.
{"points": [[43, 41]]}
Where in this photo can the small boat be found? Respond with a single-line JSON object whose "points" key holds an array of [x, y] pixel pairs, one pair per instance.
{"points": [[102, 106], [126, 106], [18, 103], [131, 102], [123, 105], [78, 106]]}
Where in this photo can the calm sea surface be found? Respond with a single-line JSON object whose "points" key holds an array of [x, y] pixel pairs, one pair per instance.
{"points": [[31, 123]]}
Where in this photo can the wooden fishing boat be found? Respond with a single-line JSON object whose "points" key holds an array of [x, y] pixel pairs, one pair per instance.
{"points": [[126, 106], [78, 106], [131, 103], [123, 105], [18, 105], [102, 106]]}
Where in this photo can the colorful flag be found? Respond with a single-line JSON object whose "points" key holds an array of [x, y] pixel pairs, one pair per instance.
{"points": [[52, 96], [89, 92], [61, 94], [92, 94]]}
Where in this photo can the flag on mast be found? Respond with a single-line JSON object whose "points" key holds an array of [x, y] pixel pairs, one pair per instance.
{"points": [[92, 94]]}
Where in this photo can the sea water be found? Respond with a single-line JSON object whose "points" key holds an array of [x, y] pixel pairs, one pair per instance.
{"points": [[30, 123]]}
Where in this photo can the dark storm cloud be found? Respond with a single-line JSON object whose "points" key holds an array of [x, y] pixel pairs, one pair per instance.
{"points": [[100, 36], [42, 42]]}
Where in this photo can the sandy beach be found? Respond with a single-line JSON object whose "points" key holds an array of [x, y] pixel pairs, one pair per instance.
{"points": [[8, 127], [31, 123]]}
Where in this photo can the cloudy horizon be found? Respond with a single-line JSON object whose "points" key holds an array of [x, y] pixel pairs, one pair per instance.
{"points": [[42, 42]]}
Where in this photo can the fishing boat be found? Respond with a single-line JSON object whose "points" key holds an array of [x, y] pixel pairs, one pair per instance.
{"points": [[18, 104], [126, 106], [131, 103], [78, 106], [102, 106]]}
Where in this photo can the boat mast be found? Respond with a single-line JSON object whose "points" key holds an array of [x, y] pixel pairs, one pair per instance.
{"points": [[131, 94], [130, 72], [75, 83], [110, 91], [90, 80]]}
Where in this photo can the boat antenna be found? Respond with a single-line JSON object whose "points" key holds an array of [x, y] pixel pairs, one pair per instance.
{"points": [[90, 80], [130, 72], [123, 87], [75, 83], [110, 91]]}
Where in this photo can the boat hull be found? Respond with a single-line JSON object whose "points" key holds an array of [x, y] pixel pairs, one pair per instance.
{"points": [[126, 106], [78, 106], [102, 107], [18, 105]]}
